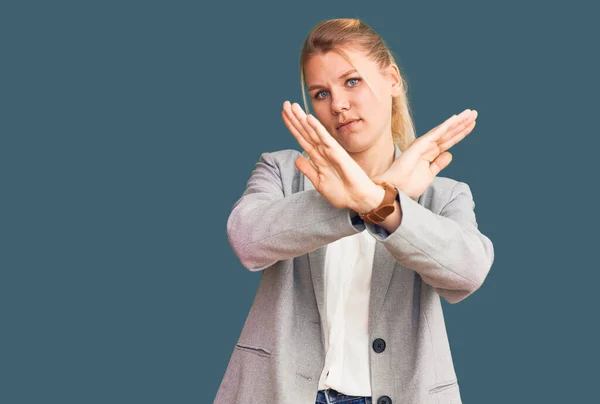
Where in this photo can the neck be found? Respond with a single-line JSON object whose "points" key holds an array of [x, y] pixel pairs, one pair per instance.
{"points": [[378, 158]]}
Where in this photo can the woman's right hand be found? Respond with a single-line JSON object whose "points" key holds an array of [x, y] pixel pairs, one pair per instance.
{"points": [[421, 162], [333, 173]]}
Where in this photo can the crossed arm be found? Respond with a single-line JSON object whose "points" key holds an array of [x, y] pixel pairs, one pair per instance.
{"points": [[446, 249]]}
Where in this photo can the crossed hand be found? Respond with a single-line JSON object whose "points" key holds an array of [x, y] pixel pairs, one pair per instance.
{"points": [[343, 182]]}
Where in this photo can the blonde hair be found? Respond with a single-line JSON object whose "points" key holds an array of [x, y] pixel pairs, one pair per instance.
{"points": [[334, 35]]}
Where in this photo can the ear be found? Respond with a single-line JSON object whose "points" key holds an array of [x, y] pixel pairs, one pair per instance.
{"points": [[394, 74]]}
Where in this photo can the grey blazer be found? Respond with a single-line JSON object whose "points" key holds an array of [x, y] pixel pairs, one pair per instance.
{"points": [[281, 226]]}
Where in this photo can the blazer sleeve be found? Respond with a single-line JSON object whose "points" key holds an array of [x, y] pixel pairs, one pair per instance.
{"points": [[266, 226], [447, 249]]}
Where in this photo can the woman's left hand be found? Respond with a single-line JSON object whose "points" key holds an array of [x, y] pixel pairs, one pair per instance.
{"points": [[422, 161], [332, 171]]}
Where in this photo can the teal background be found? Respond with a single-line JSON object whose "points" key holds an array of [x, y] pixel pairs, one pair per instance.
{"points": [[129, 129]]}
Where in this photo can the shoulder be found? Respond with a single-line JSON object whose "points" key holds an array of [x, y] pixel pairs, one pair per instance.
{"points": [[282, 155], [284, 160], [282, 164]]}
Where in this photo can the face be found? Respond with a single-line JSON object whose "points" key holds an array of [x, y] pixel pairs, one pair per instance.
{"points": [[339, 93]]}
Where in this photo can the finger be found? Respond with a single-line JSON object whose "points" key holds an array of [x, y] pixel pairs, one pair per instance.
{"points": [[458, 128], [322, 133], [448, 126], [322, 156], [457, 137], [443, 122], [312, 148], [441, 129], [337, 157], [306, 167], [464, 120], [429, 144], [424, 146], [299, 137], [306, 141], [440, 163], [301, 117], [311, 131], [287, 107], [458, 120]]}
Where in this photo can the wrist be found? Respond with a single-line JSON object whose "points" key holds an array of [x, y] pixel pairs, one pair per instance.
{"points": [[371, 200]]}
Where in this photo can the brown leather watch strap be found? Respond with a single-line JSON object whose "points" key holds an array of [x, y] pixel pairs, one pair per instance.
{"points": [[385, 208]]}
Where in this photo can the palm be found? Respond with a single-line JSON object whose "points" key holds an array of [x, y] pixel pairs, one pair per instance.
{"points": [[421, 162], [335, 176], [332, 171]]}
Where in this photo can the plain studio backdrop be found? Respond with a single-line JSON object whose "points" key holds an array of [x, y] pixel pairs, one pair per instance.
{"points": [[129, 129]]}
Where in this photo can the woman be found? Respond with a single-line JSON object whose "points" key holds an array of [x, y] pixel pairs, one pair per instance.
{"points": [[356, 239]]}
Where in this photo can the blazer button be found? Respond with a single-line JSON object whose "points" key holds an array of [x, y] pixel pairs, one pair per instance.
{"points": [[384, 400], [379, 345]]}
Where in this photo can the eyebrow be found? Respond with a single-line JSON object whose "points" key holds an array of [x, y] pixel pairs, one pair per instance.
{"points": [[315, 86]]}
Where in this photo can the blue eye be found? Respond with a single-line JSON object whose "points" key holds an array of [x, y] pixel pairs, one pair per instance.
{"points": [[353, 79], [317, 95], [347, 81]]}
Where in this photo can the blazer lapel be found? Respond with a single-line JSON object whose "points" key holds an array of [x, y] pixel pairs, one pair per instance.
{"points": [[383, 267], [316, 261]]}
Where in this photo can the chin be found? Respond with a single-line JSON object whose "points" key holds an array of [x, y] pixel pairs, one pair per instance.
{"points": [[357, 145]]}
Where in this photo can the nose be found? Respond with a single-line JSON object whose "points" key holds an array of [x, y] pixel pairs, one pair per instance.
{"points": [[339, 103]]}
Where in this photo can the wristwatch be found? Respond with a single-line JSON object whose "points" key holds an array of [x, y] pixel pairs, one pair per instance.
{"points": [[385, 208]]}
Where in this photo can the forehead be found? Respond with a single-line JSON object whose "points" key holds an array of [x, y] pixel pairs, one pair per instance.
{"points": [[330, 65]]}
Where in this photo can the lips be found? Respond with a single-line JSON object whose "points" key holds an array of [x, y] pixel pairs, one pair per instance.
{"points": [[347, 122]]}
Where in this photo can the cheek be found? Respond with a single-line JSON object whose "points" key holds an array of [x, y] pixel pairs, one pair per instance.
{"points": [[367, 102], [380, 105], [370, 109], [375, 113]]}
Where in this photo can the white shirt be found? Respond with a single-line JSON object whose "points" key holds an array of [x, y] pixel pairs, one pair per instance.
{"points": [[348, 268]]}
